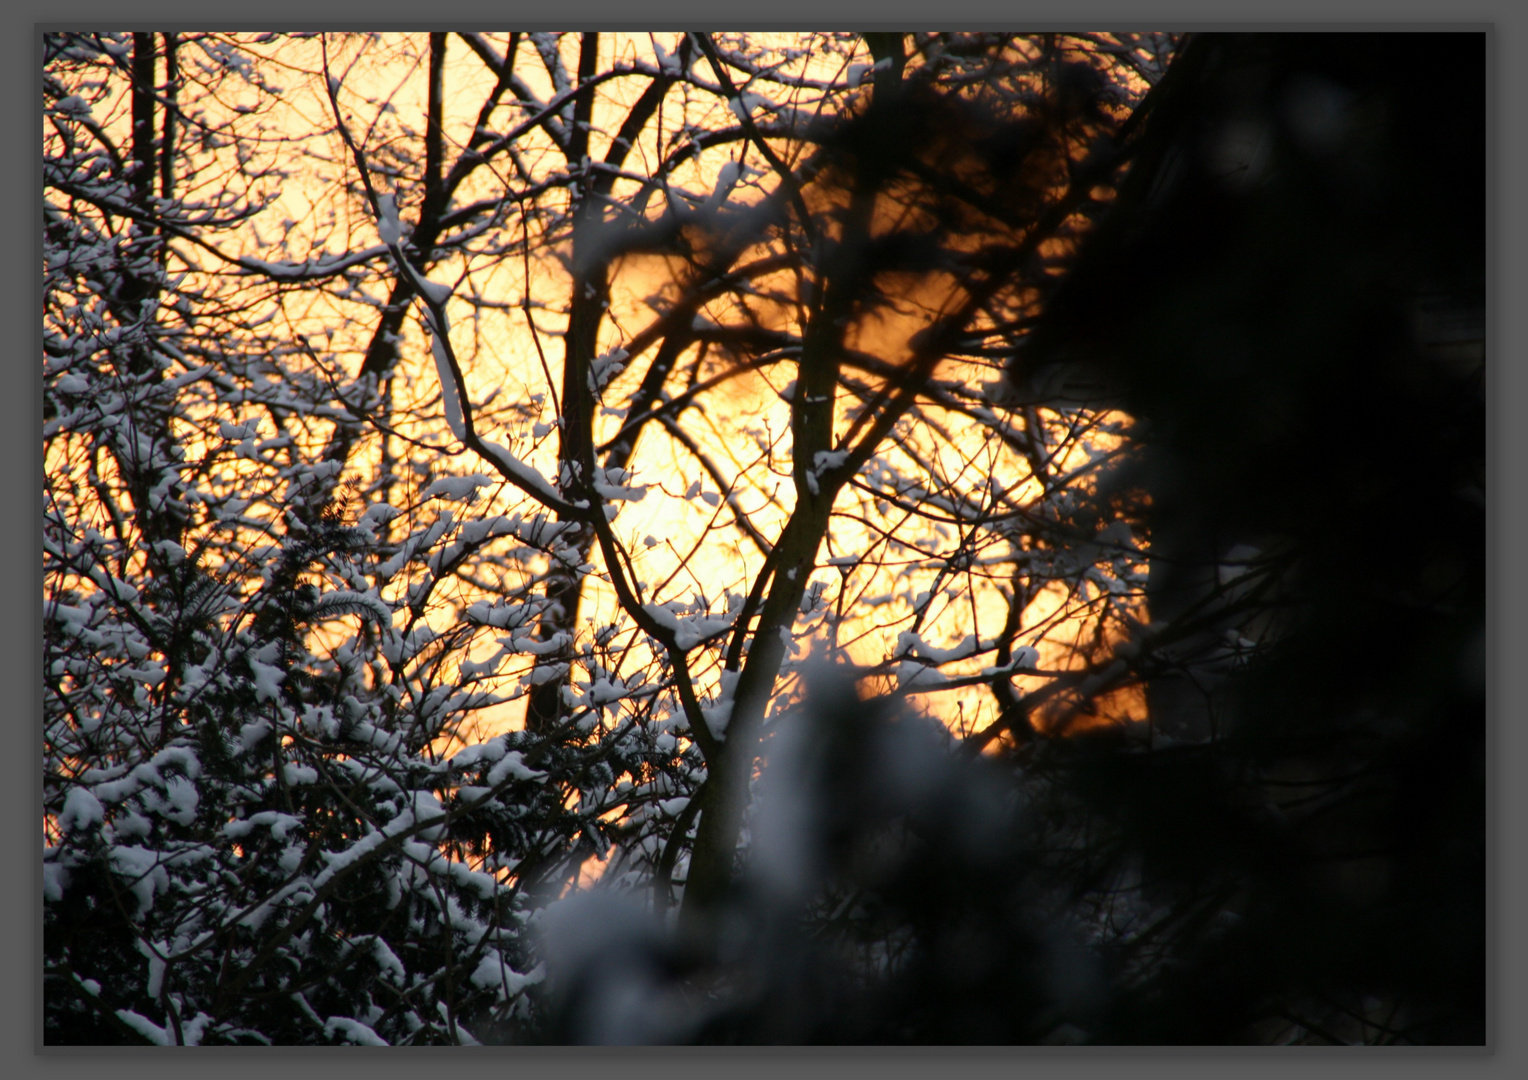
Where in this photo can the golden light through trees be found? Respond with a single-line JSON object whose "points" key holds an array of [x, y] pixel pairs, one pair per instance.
{"points": [[508, 313], [527, 412], [735, 538]]}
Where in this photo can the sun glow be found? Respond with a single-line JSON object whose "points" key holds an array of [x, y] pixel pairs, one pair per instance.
{"points": [[956, 539]]}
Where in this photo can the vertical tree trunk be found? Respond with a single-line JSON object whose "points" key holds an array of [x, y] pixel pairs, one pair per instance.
{"points": [[575, 458], [435, 136], [167, 138], [144, 158], [839, 280], [136, 299]]}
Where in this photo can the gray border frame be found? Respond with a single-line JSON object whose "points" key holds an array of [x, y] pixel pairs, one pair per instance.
{"points": [[1507, 479]]}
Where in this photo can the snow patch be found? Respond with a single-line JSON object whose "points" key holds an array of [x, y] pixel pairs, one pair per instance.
{"points": [[456, 488], [353, 1031], [82, 810]]}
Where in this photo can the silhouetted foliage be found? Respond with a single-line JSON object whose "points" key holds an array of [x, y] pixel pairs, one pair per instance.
{"points": [[1301, 330]]}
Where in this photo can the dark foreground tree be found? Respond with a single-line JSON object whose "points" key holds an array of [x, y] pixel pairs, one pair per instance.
{"points": [[1303, 339]]}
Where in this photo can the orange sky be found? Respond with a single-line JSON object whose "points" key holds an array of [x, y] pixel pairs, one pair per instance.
{"points": [[742, 421]]}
